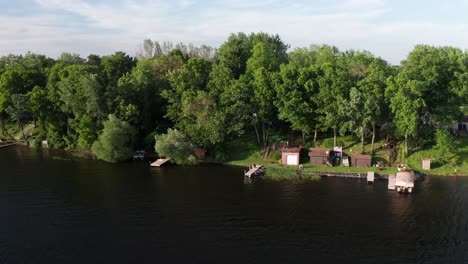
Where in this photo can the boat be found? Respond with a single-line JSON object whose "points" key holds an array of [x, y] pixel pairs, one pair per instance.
{"points": [[404, 181], [139, 155]]}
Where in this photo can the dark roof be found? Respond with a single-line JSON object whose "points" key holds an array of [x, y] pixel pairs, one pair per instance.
{"points": [[319, 152], [291, 149], [360, 156]]}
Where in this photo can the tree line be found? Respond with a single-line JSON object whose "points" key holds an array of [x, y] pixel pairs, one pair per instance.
{"points": [[208, 95]]}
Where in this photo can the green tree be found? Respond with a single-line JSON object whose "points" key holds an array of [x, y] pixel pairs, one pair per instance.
{"points": [[296, 88], [116, 141], [445, 148], [176, 146], [19, 110], [331, 97], [260, 68], [425, 94], [115, 66]]}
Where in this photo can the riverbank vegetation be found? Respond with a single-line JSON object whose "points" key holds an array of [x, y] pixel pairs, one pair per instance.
{"points": [[236, 101]]}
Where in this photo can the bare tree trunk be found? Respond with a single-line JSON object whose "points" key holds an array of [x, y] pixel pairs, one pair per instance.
{"points": [[263, 134], [406, 143], [334, 137], [362, 141], [304, 134], [267, 132], [22, 128], [315, 135], [256, 132], [2, 124], [373, 139]]}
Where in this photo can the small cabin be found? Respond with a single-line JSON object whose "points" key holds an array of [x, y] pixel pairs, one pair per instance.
{"points": [[200, 153], [291, 155], [319, 156], [359, 160]]}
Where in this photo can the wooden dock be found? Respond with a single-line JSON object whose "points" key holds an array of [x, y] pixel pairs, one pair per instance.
{"points": [[370, 177], [159, 162], [391, 182], [7, 145], [255, 170]]}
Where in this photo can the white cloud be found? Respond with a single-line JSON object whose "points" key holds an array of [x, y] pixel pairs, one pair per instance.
{"points": [[348, 24]]}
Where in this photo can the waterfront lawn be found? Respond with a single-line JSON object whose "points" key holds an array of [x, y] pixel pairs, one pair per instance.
{"points": [[245, 151], [460, 166]]}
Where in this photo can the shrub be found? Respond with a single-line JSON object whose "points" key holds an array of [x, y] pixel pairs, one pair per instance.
{"points": [[328, 143], [277, 155], [444, 146], [116, 141], [176, 146]]}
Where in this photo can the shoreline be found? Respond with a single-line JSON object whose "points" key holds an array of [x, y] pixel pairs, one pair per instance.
{"points": [[328, 169], [87, 154]]}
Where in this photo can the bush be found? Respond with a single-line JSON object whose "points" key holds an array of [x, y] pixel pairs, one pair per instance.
{"points": [[116, 141], [175, 146], [328, 143], [219, 153], [277, 155], [150, 140], [444, 146]]}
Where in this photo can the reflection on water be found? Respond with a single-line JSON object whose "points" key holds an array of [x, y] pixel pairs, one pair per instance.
{"points": [[58, 209]]}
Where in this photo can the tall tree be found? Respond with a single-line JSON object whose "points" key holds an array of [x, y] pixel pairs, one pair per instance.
{"points": [[115, 66], [425, 96]]}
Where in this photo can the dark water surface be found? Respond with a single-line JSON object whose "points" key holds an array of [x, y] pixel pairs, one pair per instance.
{"points": [[59, 210]]}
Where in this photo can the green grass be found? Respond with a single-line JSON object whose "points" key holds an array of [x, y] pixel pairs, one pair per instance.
{"points": [[278, 173], [464, 109], [458, 167], [245, 151]]}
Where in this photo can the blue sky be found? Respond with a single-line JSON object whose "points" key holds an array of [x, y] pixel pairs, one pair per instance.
{"points": [[387, 28]]}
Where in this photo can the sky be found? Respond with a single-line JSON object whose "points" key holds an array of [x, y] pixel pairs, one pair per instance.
{"points": [[387, 28]]}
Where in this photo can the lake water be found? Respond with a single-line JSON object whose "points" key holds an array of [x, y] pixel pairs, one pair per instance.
{"points": [[55, 209]]}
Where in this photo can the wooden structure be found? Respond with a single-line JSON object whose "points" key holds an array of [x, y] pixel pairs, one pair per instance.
{"points": [[404, 181], [370, 177], [291, 155], [359, 160], [255, 170], [319, 156], [159, 162], [426, 164], [345, 161], [200, 153], [391, 182], [4, 145], [45, 144]]}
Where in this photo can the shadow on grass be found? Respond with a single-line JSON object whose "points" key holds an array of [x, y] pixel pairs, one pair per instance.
{"points": [[380, 160]]}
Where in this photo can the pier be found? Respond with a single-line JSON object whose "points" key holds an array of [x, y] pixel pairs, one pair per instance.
{"points": [[159, 162], [4, 145], [356, 175], [255, 170]]}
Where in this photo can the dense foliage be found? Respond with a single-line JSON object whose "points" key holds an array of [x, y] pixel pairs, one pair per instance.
{"points": [[116, 141], [214, 95], [176, 146]]}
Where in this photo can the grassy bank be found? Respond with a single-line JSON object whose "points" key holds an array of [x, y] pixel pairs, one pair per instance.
{"points": [[245, 151], [459, 166]]}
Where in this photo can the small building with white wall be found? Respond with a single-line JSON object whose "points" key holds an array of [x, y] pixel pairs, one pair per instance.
{"points": [[291, 155]]}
